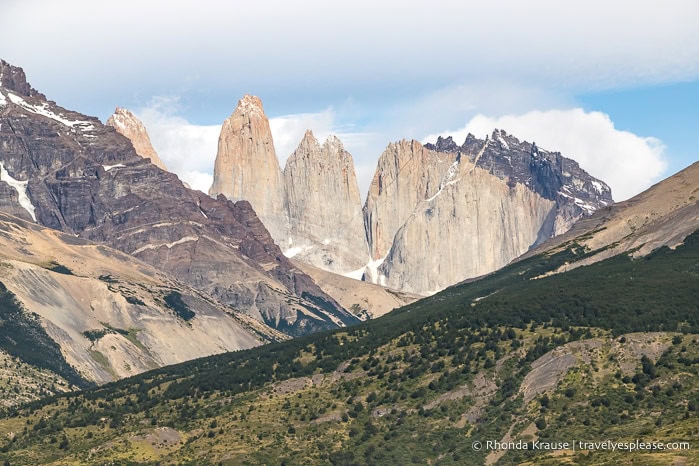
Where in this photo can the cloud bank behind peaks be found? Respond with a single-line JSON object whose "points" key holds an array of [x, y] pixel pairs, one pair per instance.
{"points": [[627, 162], [188, 150]]}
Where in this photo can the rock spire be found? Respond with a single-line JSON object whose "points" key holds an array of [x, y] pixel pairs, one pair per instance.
{"points": [[324, 206], [247, 167], [129, 126]]}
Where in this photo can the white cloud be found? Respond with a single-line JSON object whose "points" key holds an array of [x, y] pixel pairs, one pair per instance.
{"points": [[411, 68], [353, 48], [186, 149], [627, 162]]}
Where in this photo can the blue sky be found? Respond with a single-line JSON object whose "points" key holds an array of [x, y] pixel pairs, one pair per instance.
{"points": [[669, 112], [613, 84]]}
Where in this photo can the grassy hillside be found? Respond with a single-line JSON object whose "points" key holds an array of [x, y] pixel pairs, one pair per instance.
{"points": [[514, 356]]}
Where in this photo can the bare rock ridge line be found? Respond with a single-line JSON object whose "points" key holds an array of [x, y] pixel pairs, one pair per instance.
{"points": [[434, 214], [663, 215], [74, 174], [128, 125], [475, 207]]}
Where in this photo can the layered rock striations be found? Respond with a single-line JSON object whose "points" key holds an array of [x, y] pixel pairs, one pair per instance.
{"points": [[129, 126], [109, 314], [324, 207], [79, 176], [247, 167]]}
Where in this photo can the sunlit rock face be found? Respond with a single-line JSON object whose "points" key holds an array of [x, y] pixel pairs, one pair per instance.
{"points": [[70, 172], [324, 207], [442, 213], [247, 167]]}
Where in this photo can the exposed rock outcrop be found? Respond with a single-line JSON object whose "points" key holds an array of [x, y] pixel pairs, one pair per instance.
{"points": [[406, 174], [558, 178], [13, 79], [324, 207], [128, 125], [663, 215], [434, 214], [247, 167]]}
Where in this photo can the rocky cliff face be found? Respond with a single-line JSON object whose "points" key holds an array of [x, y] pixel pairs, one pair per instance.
{"points": [[474, 207], [324, 207], [126, 124], [547, 173], [247, 167], [406, 174], [474, 224], [71, 173]]}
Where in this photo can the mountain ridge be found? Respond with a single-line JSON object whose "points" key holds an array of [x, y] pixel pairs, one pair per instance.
{"points": [[84, 178], [404, 213], [109, 313]]}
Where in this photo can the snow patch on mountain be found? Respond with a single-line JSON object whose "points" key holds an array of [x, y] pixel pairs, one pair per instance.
{"points": [[355, 274], [45, 111], [372, 271], [109, 167], [21, 188], [294, 251], [446, 181]]}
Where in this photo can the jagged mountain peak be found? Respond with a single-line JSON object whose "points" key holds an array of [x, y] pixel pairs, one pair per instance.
{"points": [[310, 146], [75, 174], [334, 142], [446, 144], [546, 172], [502, 194], [121, 113], [13, 79], [129, 126], [326, 234], [308, 141], [247, 166], [250, 105]]}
